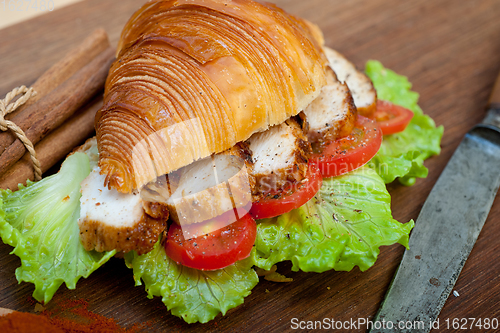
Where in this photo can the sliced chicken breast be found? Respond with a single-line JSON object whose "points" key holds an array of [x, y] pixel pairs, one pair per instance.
{"points": [[280, 157], [206, 188], [332, 114], [362, 90], [110, 220]]}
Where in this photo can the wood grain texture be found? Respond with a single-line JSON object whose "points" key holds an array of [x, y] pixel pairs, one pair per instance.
{"points": [[495, 94], [449, 49]]}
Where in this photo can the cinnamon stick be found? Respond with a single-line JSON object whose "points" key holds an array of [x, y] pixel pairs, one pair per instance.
{"points": [[73, 61], [54, 146], [52, 110]]}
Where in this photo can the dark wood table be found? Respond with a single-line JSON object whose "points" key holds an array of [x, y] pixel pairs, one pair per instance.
{"points": [[449, 49]]}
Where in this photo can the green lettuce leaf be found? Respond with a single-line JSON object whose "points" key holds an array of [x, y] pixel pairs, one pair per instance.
{"points": [[402, 154], [341, 227], [40, 222], [193, 295]]}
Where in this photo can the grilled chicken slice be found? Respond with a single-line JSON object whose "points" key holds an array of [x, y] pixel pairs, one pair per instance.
{"points": [[332, 114], [363, 92], [206, 188], [280, 157], [110, 220]]}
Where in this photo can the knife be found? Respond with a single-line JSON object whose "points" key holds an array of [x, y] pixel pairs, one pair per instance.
{"points": [[446, 229]]}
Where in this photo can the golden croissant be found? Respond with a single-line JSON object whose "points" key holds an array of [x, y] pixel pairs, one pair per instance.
{"points": [[195, 77]]}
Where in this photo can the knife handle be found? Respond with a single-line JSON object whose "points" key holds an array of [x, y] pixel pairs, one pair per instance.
{"points": [[494, 102]]}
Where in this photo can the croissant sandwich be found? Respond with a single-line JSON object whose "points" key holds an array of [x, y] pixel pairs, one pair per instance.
{"points": [[237, 84], [230, 137]]}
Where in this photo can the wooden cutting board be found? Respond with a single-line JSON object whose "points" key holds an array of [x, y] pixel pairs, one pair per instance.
{"points": [[449, 49]]}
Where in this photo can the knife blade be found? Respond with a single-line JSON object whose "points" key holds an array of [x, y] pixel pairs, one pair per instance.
{"points": [[446, 230]]}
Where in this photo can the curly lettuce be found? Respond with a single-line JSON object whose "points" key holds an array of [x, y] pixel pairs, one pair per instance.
{"points": [[40, 222], [341, 227], [191, 294], [402, 155]]}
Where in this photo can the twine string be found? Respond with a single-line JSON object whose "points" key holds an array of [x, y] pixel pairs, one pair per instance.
{"points": [[7, 107]]}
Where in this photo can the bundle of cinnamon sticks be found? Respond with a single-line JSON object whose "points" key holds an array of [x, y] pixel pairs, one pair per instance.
{"points": [[61, 114]]}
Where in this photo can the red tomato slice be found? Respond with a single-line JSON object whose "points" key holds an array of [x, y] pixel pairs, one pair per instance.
{"points": [[216, 249], [391, 118], [289, 199], [351, 152]]}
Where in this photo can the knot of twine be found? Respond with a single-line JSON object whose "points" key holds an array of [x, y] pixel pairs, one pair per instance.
{"points": [[7, 107]]}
